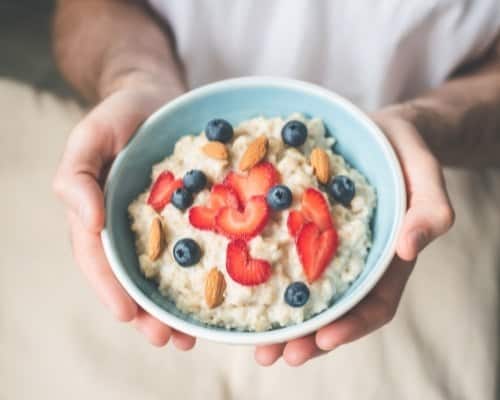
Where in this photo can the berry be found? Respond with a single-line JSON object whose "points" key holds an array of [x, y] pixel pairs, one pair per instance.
{"points": [[244, 224], [162, 189], [194, 180], [294, 133], [296, 294], [187, 252], [279, 197], [295, 222], [342, 189], [316, 249], [257, 182], [182, 198], [242, 268], [315, 209], [203, 217], [219, 130]]}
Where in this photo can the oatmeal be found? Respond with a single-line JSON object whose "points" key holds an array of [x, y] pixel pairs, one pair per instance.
{"points": [[254, 227]]}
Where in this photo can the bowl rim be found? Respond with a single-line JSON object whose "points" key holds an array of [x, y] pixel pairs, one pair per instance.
{"points": [[292, 331]]}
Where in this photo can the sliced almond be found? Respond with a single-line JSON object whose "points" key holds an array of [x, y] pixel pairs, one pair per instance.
{"points": [[156, 239], [215, 286], [321, 164], [254, 153], [216, 150]]}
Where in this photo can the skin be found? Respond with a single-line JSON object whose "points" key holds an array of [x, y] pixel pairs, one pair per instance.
{"points": [[126, 66]]}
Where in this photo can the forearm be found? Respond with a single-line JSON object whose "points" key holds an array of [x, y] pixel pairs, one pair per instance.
{"points": [[103, 45], [460, 121]]}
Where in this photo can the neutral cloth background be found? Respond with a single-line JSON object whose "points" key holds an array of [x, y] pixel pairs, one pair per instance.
{"points": [[58, 342]]}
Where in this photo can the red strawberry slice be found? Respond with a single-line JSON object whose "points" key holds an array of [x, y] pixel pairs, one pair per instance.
{"points": [[162, 190], [315, 209], [256, 183], [242, 268], [203, 217], [236, 224], [316, 249], [295, 222]]}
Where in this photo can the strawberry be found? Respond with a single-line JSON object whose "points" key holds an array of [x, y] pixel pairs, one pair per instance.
{"points": [[242, 268], [295, 222], [203, 217], [316, 249], [236, 224], [315, 209], [162, 190], [256, 183]]}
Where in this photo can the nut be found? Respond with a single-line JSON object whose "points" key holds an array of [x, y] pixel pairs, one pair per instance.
{"points": [[254, 153], [321, 164], [216, 150], [156, 239], [215, 286]]}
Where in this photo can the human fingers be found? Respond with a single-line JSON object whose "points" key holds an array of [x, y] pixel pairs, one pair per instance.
{"points": [[267, 355]]}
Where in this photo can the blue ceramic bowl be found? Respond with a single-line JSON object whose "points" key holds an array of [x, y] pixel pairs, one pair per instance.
{"points": [[359, 140]]}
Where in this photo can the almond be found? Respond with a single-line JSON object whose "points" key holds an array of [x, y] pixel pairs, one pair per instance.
{"points": [[254, 153], [216, 150], [215, 286], [156, 239], [321, 164]]}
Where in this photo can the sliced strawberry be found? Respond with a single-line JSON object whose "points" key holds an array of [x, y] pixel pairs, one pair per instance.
{"points": [[236, 224], [316, 249], [244, 269], [315, 209], [295, 222], [256, 183], [203, 217], [162, 190]]}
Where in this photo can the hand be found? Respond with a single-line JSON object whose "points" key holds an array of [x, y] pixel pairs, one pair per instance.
{"points": [[429, 215], [91, 148]]}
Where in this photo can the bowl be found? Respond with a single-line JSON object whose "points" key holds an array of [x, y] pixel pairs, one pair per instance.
{"points": [[360, 142]]}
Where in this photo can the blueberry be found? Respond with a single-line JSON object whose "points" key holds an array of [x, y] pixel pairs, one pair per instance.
{"points": [[279, 197], [194, 180], [297, 294], [182, 198], [342, 189], [187, 252], [220, 130], [294, 133]]}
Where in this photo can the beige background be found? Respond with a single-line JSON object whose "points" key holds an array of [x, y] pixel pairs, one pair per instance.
{"points": [[58, 342]]}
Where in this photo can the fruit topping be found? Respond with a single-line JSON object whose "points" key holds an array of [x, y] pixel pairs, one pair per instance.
{"points": [[316, 249], [245, 224], [295, 222], [256, 182], [187, 252], [182, 198], [315, 209], [342, 189], [162, 189], [294, 133], [242, 268], [279, 197], [219, 130], [194, 180], [296, 294]]}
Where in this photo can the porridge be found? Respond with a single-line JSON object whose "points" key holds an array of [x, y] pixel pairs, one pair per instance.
{"points": [[255, 227]]}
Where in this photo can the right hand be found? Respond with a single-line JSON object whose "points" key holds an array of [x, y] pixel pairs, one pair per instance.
{"points": [[91, 148]]}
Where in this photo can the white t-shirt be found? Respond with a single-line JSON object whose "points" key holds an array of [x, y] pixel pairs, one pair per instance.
{"points": [[372, 52]]}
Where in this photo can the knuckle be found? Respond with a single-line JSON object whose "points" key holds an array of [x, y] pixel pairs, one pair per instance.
{"points": [[445, 217], [58, 186], [387, 312]]}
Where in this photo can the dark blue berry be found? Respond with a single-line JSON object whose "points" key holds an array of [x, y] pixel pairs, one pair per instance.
{"points": [[279, 197], [297, 294], [187, 252], [342, 189], [294, 133], [220, 130], [182, 198], [194, 180]]}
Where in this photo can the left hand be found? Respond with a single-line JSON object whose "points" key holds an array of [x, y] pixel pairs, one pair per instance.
{"points": [[429, 215]]}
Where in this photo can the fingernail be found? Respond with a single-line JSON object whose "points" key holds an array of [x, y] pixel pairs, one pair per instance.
{"points": [[419, 240]]}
